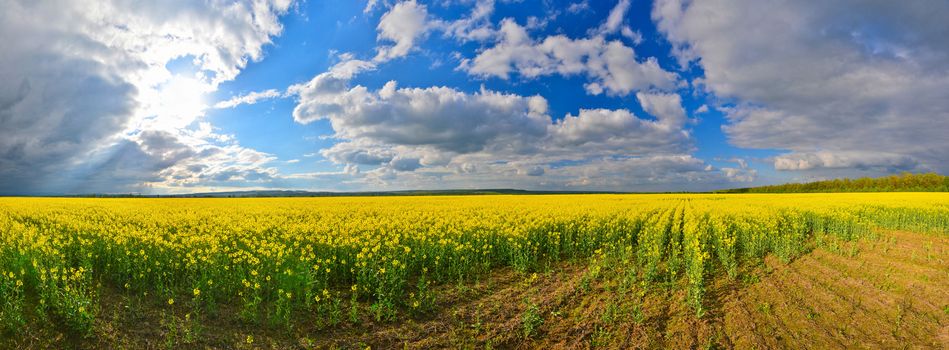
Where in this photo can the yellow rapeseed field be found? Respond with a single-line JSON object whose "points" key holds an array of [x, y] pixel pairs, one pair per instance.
{"points": [[321, 255]]}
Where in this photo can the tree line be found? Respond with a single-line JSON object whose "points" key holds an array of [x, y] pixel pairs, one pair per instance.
{"points": [[905, 182]]}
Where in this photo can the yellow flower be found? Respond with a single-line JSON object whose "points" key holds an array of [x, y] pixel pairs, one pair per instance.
{"points": [[197, 292], [171, 301]]}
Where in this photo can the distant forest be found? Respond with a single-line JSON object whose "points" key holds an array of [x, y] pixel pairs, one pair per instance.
{"points": [[905, 182]]}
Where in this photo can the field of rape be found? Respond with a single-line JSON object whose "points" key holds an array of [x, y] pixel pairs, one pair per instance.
{"points": [[328, 265]]}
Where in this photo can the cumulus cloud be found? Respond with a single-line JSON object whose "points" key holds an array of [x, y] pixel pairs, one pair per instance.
{"points": [[408, 22], [740, 175], [188, 159], [667, 107], [476, 26], [405, 164], [845, 84], [743, 173], [648, 173], [357, 153], [604, 131], [402, 25], [79, 78], [620, 132], [440, 117], [610, 65], [442, 137], [651, 173], [164, 161], [852, 159], [448, 121]]}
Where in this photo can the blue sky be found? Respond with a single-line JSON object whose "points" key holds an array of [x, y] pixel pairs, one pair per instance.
{"points": [[626, 95], [303, 51]]}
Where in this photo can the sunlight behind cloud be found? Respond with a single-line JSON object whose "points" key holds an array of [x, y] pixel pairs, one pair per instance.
{"points": [[178, 102]]}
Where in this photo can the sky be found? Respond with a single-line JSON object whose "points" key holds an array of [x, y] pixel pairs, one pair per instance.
{"points": [[181, 96]]}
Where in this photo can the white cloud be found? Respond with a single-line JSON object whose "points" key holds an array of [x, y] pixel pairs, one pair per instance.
{"points": [[81, 79], [476, 26], [194, 161], [615, 18], [348, 68], [667, 107], [370, 5], [440, 122], [851, 159], [249, 98], [630, 34], [360, 152], [440, 137], [651, 173], [164, 161], [603, 132], [609, 64], [742, 173], [578, 7], [403, 25], [440, 117], [844, 84], [407, 22]]}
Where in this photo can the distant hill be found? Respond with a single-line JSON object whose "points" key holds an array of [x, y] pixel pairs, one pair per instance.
{"points": [[289, 193], [268, 193], [905, 182]]}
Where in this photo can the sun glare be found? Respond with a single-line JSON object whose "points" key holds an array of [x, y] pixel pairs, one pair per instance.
{"points": [[180, 101]]}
